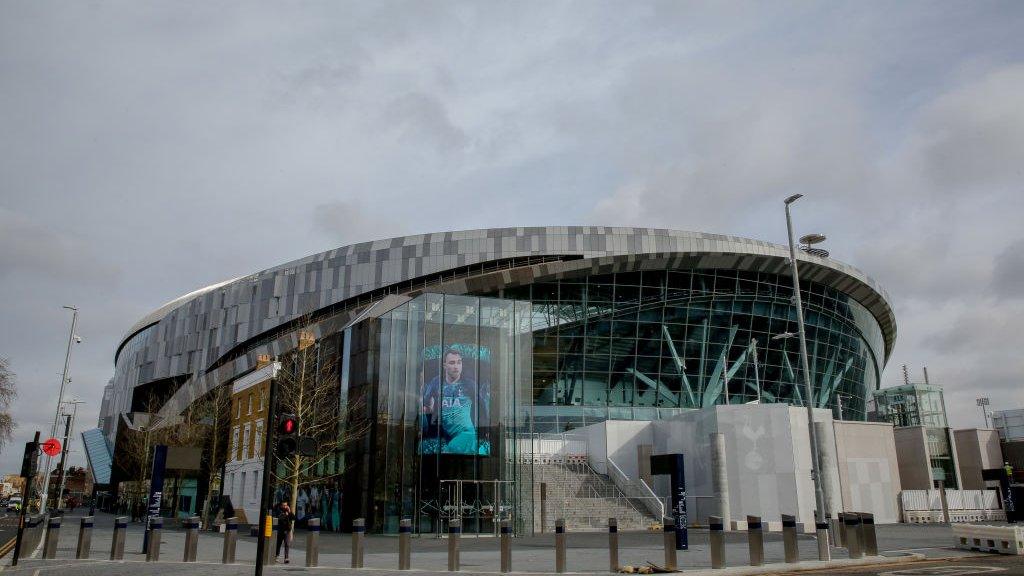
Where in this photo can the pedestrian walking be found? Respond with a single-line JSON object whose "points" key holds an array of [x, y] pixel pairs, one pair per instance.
{"points": [[285, 519]]}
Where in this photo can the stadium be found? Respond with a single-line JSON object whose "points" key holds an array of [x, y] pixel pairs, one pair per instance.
{"points": [[472, 346]]}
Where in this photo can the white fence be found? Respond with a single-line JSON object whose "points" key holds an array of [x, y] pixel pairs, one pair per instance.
{"points": [[925, 506], [554, 447]]}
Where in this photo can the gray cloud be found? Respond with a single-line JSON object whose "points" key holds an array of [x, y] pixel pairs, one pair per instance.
{"points": [[1008, 276], [150, 149]]}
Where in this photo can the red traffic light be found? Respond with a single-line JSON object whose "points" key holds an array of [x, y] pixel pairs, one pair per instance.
{"points": [[287, 425]]}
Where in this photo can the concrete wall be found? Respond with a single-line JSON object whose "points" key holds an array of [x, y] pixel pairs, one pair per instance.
{"points": [[869, 471], [976, 450], [912, 448], [623, 440], [768, 459]]}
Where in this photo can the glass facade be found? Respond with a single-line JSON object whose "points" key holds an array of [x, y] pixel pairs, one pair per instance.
{"points": [[642, 345], [922, 405], [445, 382]]}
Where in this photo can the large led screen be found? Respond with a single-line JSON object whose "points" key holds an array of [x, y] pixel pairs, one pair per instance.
{"points": [[456, 398]]}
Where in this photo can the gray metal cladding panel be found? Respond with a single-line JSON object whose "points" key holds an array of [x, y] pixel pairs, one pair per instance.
{"points": [[243, 308]]}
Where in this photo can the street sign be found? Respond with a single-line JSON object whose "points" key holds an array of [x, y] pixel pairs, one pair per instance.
{"points": [[51, 447]]}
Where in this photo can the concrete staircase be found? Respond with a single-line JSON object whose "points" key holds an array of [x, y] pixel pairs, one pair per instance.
{"points": [[585, 499]]}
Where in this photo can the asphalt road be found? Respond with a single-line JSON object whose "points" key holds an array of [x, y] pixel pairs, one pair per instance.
{"points": [[996, 565], [8, 526]]}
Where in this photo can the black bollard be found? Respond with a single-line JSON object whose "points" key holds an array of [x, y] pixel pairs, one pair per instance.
{"points": [[358, 533], [52, 535], [230, 540], [84, 538], [668, 527], [117, 543], [454, 533], [156, 525], [755, 540], [716, 541], [613, 545]]}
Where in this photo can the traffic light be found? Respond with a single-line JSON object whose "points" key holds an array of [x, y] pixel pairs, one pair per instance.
{"points": [[287, 425], [30, 461], [287, 439]]}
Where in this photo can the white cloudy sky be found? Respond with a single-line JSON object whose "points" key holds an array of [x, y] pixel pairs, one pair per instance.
{"points": [[148, 149]]}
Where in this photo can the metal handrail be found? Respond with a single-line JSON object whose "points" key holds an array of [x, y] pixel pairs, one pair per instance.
{"points": [[644, 488]]}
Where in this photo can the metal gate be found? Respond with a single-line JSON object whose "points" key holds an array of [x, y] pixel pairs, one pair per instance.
{"points": [[478, 504]]}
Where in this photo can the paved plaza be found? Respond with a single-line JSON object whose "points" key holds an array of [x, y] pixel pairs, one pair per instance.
{"points": [[587, 552]]}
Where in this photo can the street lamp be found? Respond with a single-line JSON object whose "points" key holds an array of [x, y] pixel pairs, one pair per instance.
{"points": [[72, 339], [820, 524]]}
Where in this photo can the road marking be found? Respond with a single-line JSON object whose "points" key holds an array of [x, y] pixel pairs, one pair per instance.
{"points": [[943, 571]]}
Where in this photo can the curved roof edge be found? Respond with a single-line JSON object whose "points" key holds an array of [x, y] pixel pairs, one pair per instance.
{"points": [[698, 242]]}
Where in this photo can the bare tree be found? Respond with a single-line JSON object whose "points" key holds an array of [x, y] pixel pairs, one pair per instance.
{"points": [[136, 444], [308, 388], [8, 391]]}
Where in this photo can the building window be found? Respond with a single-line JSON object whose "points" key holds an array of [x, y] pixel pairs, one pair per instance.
{"points": [[257, 441], [245, 442], [241, 495], [263, 397], [234, 445], [238, 408], [255, 484], [250, 403]]}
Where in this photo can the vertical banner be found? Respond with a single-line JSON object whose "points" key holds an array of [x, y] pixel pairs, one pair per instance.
{"points": [[673, 465], [156, 485]]}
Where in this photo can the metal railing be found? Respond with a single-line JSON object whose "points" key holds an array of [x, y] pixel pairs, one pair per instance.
{"points": [[655, 504], [593, 513]]}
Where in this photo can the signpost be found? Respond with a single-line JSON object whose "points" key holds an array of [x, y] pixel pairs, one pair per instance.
{"points": [[51, 447], [672, 464], [156, 489]]}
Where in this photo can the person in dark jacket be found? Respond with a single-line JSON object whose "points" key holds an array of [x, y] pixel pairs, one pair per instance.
{"points": [[285, 519]]}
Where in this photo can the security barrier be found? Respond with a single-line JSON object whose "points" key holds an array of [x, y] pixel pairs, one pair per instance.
{"points": [[716, 541], [358, 533], [405, 544], [230, 540], [52, 535], [668, 528], [84, 538], [869, 540], [156, 525], [789, 539], [454, 533], [983, 538], [821, 533], [312, 542], [117, 542], [560, 545], [191, 539], [613, 545], [755, 540], [506, 547], [852, 522]]}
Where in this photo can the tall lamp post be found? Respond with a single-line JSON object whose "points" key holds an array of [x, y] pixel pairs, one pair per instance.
{"points": [[72, 338], [819, 518], [67, 441], [983, 402]]}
